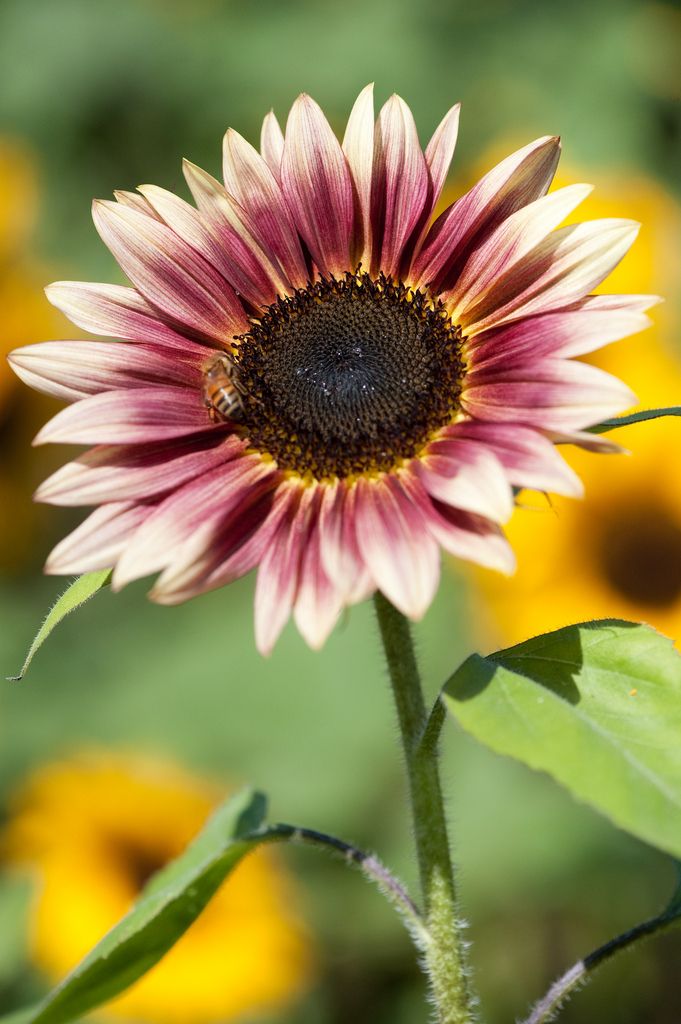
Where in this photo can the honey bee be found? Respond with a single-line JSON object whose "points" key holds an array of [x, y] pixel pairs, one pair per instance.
{"points": [[222, 392]]}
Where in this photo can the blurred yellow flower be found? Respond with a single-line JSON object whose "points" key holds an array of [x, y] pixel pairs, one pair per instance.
{"points": [[618, 551], [26, 317], [94, 828]]}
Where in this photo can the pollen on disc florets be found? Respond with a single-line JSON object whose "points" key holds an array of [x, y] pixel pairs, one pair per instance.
{"points": [[348, 376]]}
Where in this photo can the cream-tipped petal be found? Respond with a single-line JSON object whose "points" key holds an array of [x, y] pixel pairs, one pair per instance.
{"points": [[439, 153], [111, 309], [516, 181], [400, 187], [318, 601], [358, 146], [279, 572], [135, 201], [340, 554], [561, 270], [99, 540], [251, 182], [528, 458], [175, 521], [169, 273], [272, 144], [392, 537], [258, 276], [550, 394], [137, 472], [505, 247], [235, 263], [128, 416], [318, 187], [465, 475], [560, 334], [71, 370]]}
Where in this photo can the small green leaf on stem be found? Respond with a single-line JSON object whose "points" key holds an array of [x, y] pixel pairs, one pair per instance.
{"points": [[634, 417], [598, 707], [77, 593], [169, 904]]}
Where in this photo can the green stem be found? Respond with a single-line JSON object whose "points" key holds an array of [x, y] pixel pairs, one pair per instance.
{"points": [[444, 955]]}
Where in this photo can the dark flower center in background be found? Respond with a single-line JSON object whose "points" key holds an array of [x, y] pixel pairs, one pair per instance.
{"points": [[348, 376], [641, 556], [137, 860]]}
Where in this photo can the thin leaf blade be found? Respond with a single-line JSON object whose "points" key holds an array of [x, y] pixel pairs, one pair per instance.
{"points": [[75, 595], [598, 707], [634, 417], [169, 904]]}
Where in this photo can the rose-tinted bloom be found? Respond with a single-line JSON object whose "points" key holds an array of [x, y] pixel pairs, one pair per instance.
{"points": [[318, 381]]}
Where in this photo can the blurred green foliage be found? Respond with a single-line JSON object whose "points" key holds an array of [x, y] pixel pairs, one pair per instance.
{"points": [[108, 95]]}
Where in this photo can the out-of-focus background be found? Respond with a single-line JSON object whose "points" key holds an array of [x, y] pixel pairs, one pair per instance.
{"points": [[135, 718]]}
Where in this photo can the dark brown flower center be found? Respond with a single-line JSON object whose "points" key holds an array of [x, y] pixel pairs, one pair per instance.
{"points": [[641, 556], [348, 376]]}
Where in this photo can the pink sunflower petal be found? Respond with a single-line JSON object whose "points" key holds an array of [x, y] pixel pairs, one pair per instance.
{"points": [[169, 273], [138, 473], [440, 150], [439, 153], [466, 475], [562, 269], [279, 572], [392, 537], [214, 557], [528, 458], [99, 540], [619, 303], [177, 519], [272, 144], [400, 186], [462, 534], [339, 549], [519, 179], [251, 182], [131, 416], [358, 146], [251, 281], [502, 250], [318, 601], [562, 334], [589, 442], [318, 186], [554, 394], [256, 276], [111, 309], [71, 370], [135, 201]]}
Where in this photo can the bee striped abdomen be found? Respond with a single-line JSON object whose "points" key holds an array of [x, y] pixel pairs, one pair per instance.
{"points": [[219, 391]]}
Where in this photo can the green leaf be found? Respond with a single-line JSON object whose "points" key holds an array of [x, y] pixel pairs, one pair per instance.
{"points": [[598, 707], [170, 902], [634, 417], [80, 591]]}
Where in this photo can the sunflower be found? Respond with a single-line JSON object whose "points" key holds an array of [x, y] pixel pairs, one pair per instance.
{"points": [[320, 382], [94, 828]]}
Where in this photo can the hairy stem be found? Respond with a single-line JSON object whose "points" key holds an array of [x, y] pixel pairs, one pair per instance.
{"points": [[444, 956], [368, 864], [578, 975]]}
